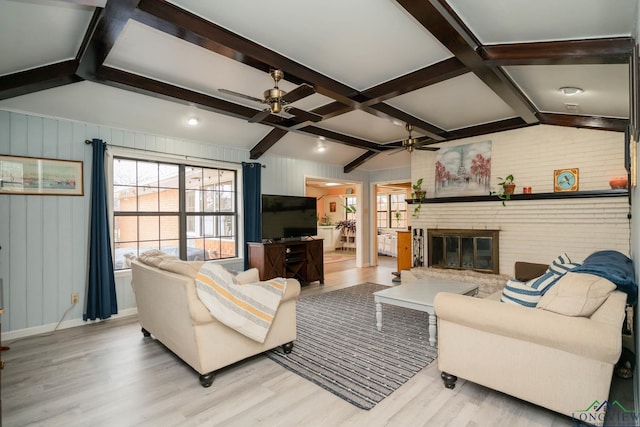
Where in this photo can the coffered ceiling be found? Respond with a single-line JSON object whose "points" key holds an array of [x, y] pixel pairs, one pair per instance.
{"points": [[450, 68]]}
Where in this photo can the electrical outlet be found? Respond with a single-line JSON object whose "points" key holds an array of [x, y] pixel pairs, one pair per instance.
{"points": [[75, 298]]}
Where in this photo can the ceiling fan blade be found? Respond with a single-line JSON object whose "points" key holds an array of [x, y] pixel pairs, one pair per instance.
{"points": [[423, 144], [304, 115], [260, 116], [300, 92], [241, 95]]}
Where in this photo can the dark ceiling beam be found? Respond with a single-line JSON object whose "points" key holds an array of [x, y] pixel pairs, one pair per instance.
{"points": [[106, 26], [389, 112], [146, 86], [359, 161], [460, 42], [493, 127], [595, 51], [332, 109], [179, 23], [570, 120], [267, 142], [38, 79], [342, 139], [444, 70]]}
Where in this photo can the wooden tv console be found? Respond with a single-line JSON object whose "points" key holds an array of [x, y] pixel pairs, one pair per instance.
{"points": [[300, 259]]}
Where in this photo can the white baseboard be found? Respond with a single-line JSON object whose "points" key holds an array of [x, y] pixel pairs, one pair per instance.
{"points": [[71, 323]]}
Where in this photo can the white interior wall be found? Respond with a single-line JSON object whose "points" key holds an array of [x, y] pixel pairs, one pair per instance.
{"points": [[44, 238]]}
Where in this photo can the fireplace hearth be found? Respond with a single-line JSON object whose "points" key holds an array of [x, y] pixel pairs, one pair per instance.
{"points": [[462, 249]]}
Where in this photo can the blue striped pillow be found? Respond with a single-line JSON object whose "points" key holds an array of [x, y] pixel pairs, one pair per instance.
{"points": [[562, 264], [528, 293]]}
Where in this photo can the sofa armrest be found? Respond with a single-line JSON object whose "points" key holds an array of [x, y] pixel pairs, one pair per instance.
{"points": [[578, 335], [248, 276], [292, 291]]}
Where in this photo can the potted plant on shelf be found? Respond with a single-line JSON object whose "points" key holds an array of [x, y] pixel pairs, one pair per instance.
{"points": [[508, 188], [419, 193]]}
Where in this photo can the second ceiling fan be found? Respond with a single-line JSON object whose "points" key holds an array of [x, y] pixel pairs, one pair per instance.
{"points": [[278, 100], [412, 143]]}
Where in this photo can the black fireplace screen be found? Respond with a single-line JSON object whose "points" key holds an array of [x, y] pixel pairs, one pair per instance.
{"points": [[464, 249]]}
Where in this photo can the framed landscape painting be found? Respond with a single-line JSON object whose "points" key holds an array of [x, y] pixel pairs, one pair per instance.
{"points": [[36, 176], [463, 170]]}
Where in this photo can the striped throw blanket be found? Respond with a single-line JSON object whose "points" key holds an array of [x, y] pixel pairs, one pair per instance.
{"points": [[248, 308]]}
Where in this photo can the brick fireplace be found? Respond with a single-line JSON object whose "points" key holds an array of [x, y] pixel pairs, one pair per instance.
{"points": [[462, 249]]}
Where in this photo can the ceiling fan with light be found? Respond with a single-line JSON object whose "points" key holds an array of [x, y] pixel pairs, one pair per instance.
{"points": [[278, 100], [409, 144]]}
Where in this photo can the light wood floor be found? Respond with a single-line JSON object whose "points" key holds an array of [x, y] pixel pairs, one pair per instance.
{"points": [[107, 374]]}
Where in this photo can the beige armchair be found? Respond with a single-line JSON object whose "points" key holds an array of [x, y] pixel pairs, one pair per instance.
{"points": [[563, 363], [169, 309]]}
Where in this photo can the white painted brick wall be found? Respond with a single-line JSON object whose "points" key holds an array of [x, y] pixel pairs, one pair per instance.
{"points": [[539, 230]]}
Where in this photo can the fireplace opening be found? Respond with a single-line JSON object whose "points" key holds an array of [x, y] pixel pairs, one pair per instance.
{"points": [[464, 249]]}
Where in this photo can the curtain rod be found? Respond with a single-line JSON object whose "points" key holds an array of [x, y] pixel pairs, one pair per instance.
{"points": [[88, 141]]}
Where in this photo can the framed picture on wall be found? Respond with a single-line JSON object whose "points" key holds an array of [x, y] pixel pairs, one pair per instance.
{"points": [[332, 206], [39, 176], [566, 179]]}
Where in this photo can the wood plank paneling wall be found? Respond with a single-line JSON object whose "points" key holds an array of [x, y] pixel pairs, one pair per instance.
{"points": [[539, 230], [44, 238]]}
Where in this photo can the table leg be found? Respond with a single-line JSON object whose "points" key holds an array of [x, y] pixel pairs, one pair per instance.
{"points": [[432, 330], [379, 316]]}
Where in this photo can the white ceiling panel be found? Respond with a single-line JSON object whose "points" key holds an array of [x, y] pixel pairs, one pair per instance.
{"points": [[37, 32], [300, 146], [606, 87], [360, 43], [366, 126], [152, 53], [101, 104], [512, 21], [455, 103]]}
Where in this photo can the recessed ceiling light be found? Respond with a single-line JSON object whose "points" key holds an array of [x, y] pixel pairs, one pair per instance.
{"points": [[570, 90], [321, 149], [332, 184], [193, 121]]}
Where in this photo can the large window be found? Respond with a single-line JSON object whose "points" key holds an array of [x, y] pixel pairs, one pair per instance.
{"points": [[392, 210], [183, 210]]}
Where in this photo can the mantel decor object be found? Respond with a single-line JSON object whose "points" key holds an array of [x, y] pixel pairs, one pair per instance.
{"points": [[565, 180], [39, 176], [618, 182], [508, 188]]}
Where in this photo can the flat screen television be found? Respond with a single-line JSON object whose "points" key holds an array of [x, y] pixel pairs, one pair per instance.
{"points": [[288, 217]]}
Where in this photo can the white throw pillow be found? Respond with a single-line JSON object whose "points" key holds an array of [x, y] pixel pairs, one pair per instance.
{"points": [[577, 294]]}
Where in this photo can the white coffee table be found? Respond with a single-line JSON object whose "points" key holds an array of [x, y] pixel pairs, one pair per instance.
{"points": [[419, 295]]}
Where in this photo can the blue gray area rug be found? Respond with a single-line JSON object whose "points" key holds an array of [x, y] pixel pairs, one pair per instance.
{"points": [[340, 349]]}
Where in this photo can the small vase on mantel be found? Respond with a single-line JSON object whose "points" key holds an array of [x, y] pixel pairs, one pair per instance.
{"points": [[618, 183]]}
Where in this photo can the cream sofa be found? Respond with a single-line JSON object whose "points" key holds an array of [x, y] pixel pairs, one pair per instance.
{"points": [[560, 362], [169, 309]]}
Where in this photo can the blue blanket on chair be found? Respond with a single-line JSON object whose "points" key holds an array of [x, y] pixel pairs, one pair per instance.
{"points": [[615, 267]]}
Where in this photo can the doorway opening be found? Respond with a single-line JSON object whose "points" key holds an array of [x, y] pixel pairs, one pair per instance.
{"points": [[339, 206]]}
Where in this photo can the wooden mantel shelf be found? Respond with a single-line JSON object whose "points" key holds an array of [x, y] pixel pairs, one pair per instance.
{"points": [[533, 196]]}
